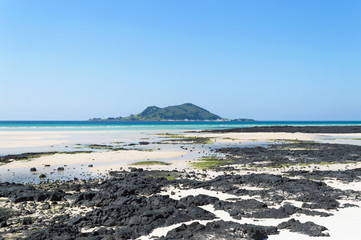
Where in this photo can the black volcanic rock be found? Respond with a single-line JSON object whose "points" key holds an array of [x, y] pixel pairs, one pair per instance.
{"points": [[307, 228], [220, 230], [198, 200], [277, 155], [131, 204], [293, 129]]}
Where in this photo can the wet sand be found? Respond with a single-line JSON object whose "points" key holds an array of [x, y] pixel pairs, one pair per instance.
{"points": [[182, 155]]}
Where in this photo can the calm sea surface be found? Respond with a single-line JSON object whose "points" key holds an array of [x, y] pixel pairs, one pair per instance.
{"points": [[109, 125]]}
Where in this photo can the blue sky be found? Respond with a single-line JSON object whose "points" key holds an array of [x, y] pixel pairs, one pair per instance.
{"points": [[268, 60]]}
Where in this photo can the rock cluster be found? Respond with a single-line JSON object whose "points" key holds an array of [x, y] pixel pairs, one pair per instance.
{"points": [[129, 205]]}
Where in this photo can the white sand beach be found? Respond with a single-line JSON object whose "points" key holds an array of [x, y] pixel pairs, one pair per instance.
{"points": [[124, 158], [344, 222], [106, 161]]}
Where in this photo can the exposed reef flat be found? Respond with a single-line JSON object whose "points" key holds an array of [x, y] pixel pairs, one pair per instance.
{"points": [[291, 154], [133, 204], [293, 129], [31, 155], [193, 186]]}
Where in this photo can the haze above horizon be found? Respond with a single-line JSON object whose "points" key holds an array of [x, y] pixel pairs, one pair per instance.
{"points": [[265, 60]]}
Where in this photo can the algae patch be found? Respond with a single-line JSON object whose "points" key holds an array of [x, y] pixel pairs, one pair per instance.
{"points": [[150, 163], [209, 162]]}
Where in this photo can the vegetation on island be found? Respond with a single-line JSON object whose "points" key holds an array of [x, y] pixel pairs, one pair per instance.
{"points": [[186, 111]]}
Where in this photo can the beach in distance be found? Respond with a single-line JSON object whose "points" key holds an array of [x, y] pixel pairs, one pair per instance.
{"points": [[179, 180]]}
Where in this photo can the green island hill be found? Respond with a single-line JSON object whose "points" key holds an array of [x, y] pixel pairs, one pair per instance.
{"points": [[183, 112]]}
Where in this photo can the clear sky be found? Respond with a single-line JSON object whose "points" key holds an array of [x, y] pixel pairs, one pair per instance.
{"points": [[268, 60]]}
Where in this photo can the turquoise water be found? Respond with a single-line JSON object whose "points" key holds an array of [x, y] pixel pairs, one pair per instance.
{"points": [[108, 125]]}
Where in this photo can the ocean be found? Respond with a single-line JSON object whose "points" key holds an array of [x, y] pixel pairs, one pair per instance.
{"points": [[159, 125]]}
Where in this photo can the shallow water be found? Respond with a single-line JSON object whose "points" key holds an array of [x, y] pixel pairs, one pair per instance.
{"points": [[75, 134], [23, 175], [159, 125], [82, 171]]}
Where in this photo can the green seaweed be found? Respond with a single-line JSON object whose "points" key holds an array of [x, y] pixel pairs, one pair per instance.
{"points": [[163, 174], [206, 165], [31, 156], [209, 162], [150, 163], [228, 138]]}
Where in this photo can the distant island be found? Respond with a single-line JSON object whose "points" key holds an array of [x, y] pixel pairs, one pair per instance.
{"points": [[183, 112]]}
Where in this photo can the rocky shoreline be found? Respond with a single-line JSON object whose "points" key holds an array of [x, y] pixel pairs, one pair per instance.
{"points": [[130, 205], [233, 192], [291, 154], [292, 129]]}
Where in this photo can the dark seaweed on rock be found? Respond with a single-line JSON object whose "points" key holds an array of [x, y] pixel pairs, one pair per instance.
{"points": [[7, 158], [25, 156]]}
